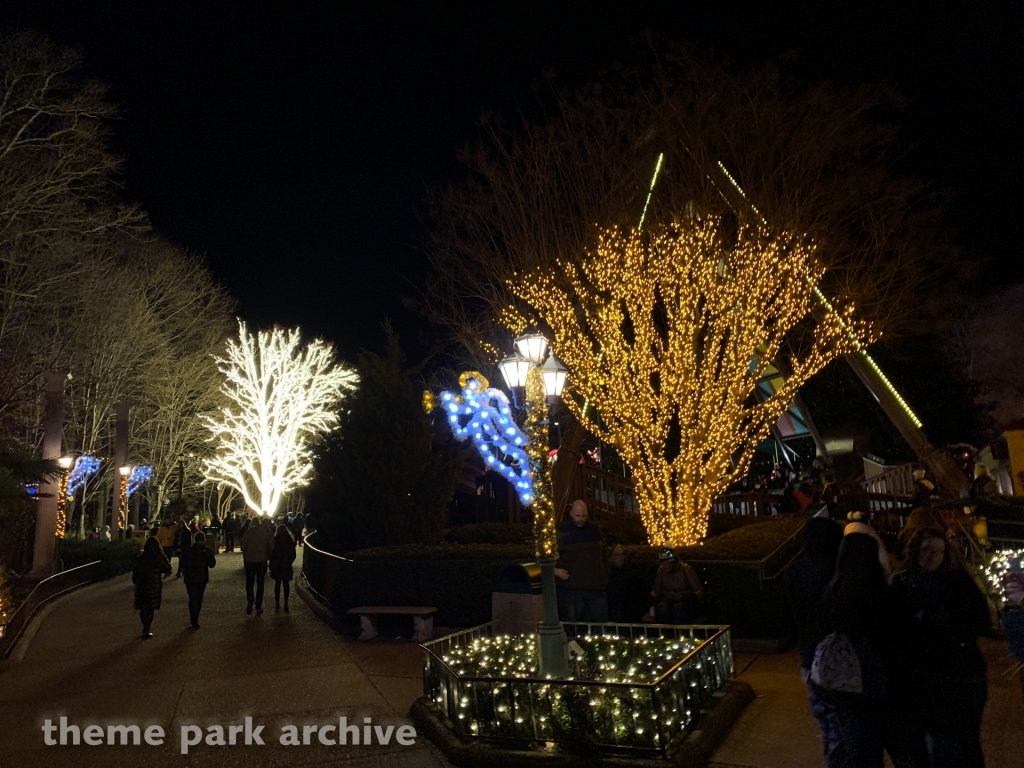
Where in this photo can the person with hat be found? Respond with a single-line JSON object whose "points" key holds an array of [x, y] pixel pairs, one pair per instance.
{"points": [[677, 591]]}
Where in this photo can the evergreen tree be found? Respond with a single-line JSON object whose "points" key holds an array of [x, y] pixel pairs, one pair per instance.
{"points": [[385, 476]]}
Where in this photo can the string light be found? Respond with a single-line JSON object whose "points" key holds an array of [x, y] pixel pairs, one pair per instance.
{"points": [[282, 394], [642, 693], [687, 323], [139, 477], [86, 466], [545, 530], [483, 415]]}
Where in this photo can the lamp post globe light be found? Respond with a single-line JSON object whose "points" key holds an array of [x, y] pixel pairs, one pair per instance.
{"points": [[542, 381]]}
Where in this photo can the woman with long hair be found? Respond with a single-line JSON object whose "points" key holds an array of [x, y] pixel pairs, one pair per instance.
{"points": [[281, 563], [868, 631], [949, 612], [150, 565]]}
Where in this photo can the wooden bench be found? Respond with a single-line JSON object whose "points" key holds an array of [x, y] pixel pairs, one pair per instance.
{"points": [[422, 619]]}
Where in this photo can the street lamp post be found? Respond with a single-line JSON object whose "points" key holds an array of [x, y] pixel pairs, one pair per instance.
{"points": [[542, 381], [62, 495], [122, 507]]}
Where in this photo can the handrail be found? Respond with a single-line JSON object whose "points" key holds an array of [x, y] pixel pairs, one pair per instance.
{"points": [[313, 568], [43, 592]]}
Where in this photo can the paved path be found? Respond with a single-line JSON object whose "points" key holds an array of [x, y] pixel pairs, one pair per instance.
{"points": [[86, 662], [777, 730]]}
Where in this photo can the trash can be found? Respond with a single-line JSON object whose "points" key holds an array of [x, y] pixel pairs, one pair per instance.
{"points": [[517, 605]]}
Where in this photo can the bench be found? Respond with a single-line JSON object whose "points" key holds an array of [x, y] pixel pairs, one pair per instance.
{"points": [[422, 619]]}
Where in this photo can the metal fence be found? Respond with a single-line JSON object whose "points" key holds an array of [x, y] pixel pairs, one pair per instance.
{"points": [[44, 591], [652, 717], [320, 569]]}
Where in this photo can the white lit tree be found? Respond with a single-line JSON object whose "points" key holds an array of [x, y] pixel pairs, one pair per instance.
{"points": [[282, 394]]}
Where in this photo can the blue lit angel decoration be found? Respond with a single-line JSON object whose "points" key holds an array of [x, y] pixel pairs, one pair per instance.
{"points": [[86, 466], [484, 415], [139, 477]]}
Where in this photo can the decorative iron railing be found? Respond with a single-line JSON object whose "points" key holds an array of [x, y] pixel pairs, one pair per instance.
{"points": [[320, 568], [586, 714], [44, 591]]}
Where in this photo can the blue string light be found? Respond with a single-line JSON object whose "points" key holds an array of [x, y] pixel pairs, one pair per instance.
{"points": [[139, 477], [484, 415], [86, 466]]}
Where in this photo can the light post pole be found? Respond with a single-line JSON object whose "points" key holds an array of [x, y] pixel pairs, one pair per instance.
{"points": [[541, 377], [122, 506], [62, 495]]}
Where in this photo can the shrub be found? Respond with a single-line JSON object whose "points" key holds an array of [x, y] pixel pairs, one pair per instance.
{"points": [[116, 557], [489, 533]]}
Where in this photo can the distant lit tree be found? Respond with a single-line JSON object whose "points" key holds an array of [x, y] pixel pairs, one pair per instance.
{"points": [[667, 335], [283, 393]]}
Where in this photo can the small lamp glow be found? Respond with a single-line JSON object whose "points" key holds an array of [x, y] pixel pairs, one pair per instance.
{"points": [[125, 470], [66, 462], [554, 377], [532, 346], [513, 370]]}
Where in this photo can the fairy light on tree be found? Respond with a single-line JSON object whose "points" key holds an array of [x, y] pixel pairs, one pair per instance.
{"points": [[686, 324], [282, 394]]}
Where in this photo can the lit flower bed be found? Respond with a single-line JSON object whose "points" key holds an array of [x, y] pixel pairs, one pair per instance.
{"points": [[636, 687], [1009, 586]]}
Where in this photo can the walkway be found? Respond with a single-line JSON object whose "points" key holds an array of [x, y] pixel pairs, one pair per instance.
{"points": [[86, 662]]}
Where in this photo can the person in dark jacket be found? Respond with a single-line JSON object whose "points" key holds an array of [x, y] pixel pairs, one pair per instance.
{"points": [[950, 612], [297, 524], [581, 568], [182, 541], [806, 582], [281, 564], [149, 566], [230, 528], [677, 592], [859, 604], [196, 562], [257, 548], [618, 584]]}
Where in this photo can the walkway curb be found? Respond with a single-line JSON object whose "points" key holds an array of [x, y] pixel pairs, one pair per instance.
{"points": [[694, 752]]}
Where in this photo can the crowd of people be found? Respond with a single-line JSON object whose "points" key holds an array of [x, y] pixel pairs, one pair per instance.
{"points": [[591, 590], [890, 655], [264, 544]]}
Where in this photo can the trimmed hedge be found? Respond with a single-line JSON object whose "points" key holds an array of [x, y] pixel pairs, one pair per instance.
{"points": [[457, 578], [116, 557]]}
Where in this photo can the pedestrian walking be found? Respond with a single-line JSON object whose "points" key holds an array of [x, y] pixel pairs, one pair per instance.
{"points": [[281, 560], [950, 612], [257, 548], [297, 524], [196, 562], [149, 566], [182, 541]]}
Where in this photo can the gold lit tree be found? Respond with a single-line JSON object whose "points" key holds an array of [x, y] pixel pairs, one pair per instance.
{"points": [[666, 333]]}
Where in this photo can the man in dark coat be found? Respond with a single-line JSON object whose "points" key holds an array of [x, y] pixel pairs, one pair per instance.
{"points": [[581, 568], [257, 547], [196, 562], [230, 528]]}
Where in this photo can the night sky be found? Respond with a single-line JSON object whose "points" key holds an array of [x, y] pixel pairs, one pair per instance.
{"points": [[293, 142]]}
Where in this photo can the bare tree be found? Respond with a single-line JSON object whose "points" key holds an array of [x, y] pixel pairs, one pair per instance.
{"points": [[58, 200], [814, 160]]}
